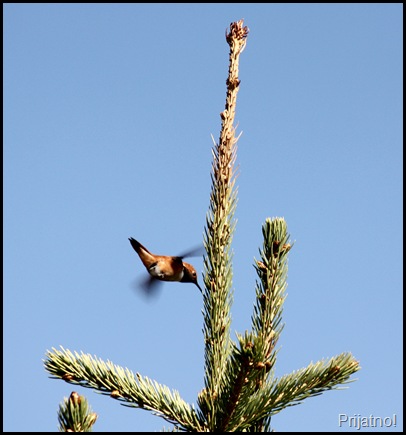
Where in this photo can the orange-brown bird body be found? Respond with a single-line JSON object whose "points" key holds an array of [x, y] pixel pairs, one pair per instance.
{"points": [[164, 267]]}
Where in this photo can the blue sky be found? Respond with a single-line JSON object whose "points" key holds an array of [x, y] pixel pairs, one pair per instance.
{"points": [[108, 112]]}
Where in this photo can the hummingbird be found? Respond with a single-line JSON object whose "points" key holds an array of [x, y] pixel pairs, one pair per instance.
{"points": [[164, 267]]}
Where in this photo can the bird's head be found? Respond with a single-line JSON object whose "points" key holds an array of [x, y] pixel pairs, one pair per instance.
{"points": [[190, 275]]}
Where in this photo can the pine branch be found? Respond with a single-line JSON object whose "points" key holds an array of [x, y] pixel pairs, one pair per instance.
{"points": [[252, 362], [270, 292], [245, 371], [217, 240], [292, 389], [270, 296], [121, 384], [75, 415]]}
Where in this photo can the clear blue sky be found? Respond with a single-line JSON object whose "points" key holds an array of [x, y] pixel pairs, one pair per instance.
{"points": [[108, 112]]}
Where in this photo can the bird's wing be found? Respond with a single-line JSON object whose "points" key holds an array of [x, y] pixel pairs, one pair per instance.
{"points": [[198, 251], [150, 286]]}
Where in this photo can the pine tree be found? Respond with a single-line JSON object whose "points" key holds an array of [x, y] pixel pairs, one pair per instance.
{"points": [[241, 392]]}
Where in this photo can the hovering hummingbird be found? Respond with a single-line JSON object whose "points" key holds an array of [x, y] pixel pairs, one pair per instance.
{"points": [[166, 268]]}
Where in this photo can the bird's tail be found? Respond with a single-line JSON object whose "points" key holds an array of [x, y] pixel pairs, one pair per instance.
{"points": [[137, 246]]}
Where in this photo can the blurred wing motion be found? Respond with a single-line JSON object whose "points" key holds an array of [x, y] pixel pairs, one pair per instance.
{"points": [[195, 252], [148, 286]]}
